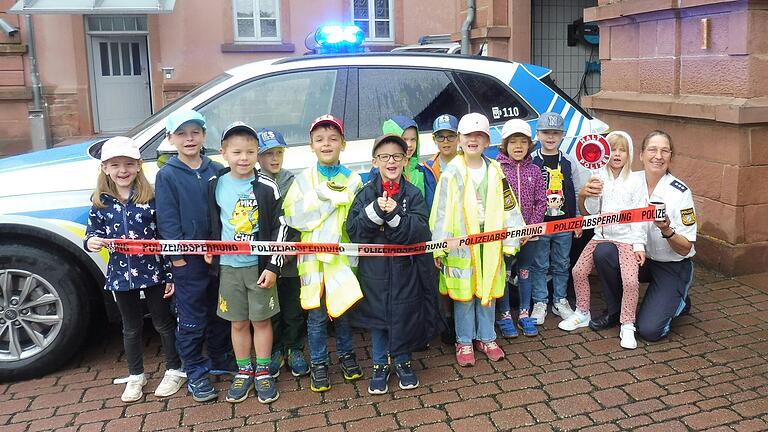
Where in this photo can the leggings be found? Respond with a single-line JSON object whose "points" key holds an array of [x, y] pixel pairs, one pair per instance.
{"points": [[629, 276]]}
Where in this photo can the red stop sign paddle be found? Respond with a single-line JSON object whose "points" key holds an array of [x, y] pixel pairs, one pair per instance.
{"points": [[593, 151]]}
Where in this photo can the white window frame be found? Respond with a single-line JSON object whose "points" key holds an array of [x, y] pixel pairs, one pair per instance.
{"points": [[372, 20], [256, 24]]}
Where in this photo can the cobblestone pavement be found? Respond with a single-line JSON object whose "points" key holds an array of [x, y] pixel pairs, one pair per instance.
{"points": [[711, 374]]}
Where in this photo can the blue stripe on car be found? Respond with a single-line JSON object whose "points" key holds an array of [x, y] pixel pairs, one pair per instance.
{"points": [[74, 214], [54, 156]]}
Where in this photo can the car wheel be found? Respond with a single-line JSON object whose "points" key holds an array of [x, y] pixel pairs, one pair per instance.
{"points": [[44, 310]]}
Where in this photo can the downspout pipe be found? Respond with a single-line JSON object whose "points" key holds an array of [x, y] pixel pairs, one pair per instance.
{"points": [[39, 132], [31, 54], [467, 26]]}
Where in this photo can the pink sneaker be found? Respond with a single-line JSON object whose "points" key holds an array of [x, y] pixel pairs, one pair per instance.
{"points": [[491, 349], [465, 355]]}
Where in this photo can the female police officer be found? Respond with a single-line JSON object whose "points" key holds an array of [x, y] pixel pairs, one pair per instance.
{"points": [[668, 267]]}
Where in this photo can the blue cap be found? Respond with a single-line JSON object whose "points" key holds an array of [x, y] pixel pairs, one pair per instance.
{"points": [[550, 121], [269, 139], [445, 122], [175, 120]]}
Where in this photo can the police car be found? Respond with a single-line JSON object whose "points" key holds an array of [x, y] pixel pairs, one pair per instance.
{"points": [[51, 289]]}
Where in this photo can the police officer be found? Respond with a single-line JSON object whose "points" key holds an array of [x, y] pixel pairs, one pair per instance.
{"points": [[670, 245]]}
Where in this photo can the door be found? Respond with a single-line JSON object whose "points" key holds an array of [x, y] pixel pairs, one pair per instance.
{"points": [[121, 81]]}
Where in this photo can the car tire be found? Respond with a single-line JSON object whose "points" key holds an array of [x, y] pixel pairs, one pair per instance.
{"points": [[44, 310]]}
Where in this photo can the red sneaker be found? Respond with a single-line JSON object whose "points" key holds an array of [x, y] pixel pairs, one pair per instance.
{"points": [[465, 355], [491, 349]]}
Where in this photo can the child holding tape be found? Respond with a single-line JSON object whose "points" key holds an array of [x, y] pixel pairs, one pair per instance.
{"points": [[124, 207], [474, 197], [620, 191]]}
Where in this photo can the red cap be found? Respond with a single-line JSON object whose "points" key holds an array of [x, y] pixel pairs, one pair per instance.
{"points": [[327, 119]]}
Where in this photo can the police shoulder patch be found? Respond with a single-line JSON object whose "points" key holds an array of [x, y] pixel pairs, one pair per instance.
{"points": [[509, 199], [688, 216], [677, 184]]}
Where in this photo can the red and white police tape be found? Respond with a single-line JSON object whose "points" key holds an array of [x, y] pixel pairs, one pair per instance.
{"points": [[212, 247]]}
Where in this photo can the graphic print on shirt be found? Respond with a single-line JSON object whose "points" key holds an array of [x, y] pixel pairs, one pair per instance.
{"points": [[245, 218], [555, 198]]}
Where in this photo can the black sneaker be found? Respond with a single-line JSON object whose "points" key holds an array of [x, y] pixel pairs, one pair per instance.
{"points": [[408, 379], [349, 366], [241, 386], [266, 388], [319, 380], [379, 378]]}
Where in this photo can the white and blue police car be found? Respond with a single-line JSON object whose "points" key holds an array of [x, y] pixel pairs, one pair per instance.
{"points": [[51, 289]]}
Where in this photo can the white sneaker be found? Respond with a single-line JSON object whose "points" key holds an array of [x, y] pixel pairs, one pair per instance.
{"points": [[627, 335], [173, 381], [577, 319], [134, 388], [539, 313], [562, 309]]}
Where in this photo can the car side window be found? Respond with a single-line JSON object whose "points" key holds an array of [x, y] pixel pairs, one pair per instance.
{"points": [[497, 100], [418, 93], [286, 102]]}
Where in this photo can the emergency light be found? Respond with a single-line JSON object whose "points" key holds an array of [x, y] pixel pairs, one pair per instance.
{"points": [[339, 39]]}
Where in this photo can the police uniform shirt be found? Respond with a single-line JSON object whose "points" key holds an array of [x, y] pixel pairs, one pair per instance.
{"points": [[679, 205]]}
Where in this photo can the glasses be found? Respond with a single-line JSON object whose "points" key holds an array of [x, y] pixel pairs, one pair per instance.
{"points": [[443, 138], [384, 157], [654, 151]]}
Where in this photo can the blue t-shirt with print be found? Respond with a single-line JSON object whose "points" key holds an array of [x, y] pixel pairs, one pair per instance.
{"points": [[239, 216]]}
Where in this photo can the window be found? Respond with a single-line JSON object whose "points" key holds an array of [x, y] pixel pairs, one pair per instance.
{"points": [[287, 102], [122, 24], [497, 100], [257, 20], [375, 18], [420, 94]]}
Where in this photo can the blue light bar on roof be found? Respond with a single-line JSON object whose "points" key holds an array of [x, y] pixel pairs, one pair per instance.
{"points": [[339, 39]]}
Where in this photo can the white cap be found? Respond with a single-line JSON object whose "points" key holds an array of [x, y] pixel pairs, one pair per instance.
{"points": [[515, 126], [474, 122], [120, 146]]}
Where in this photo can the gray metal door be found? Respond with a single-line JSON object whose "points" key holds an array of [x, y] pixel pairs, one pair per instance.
{"points": [[121, 81]]}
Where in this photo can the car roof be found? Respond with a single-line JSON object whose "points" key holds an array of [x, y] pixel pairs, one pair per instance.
{"points": [[431, 45]]}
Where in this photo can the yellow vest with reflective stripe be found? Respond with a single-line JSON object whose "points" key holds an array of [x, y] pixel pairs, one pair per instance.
{"points": [[473, 271]]}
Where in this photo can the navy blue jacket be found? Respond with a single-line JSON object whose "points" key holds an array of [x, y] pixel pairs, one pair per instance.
{"points": [[569, 192], [181, 194], [127, 221]]}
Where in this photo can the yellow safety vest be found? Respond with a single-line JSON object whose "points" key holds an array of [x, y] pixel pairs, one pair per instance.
{"points": [[473, 271]]}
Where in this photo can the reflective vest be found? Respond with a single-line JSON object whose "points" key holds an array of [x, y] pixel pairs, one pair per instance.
{"points": [[318, 209], [473, 270]]}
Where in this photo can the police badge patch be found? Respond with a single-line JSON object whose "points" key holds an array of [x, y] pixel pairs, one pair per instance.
{"points": [[688, 216], [509, 200]]}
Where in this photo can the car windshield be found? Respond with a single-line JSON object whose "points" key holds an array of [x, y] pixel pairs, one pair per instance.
{"points": [[177, 103]]}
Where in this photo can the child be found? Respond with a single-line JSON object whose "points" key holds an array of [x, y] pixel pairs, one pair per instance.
{"points": [[552, 253], [447, 141], [528, 185], [316, 205], [124, 207], [183, 214], [474, 197], [400, 303], [621, 191], [249, 209], [415, 173], [289, 326]]}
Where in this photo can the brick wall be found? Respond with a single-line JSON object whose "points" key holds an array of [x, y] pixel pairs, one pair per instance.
{"points": [[14, 96]]}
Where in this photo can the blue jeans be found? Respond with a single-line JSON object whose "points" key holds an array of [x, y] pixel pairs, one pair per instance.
{"points": [[317, 334], [380, 343], [502, 303], [552, 256], [474, 321], [524, 265]]}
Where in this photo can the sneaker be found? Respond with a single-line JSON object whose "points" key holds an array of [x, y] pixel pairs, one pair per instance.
{"points": [[465, 355], [202, 390], [562, 309], [296, 363], [527, 326], [577, 319], [349, 366], [173, 381], [408, 379], [319, 381], [507, 327], [266, 388], [490, 349], [379, 378], [224, 366], [241, 386], [276, 363], [627, 335], [134, 388], [539, 313]]}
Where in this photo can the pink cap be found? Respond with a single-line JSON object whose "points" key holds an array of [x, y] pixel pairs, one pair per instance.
{"points": [[474, 122], [120, 146], [515, 126], [327, 119]]}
